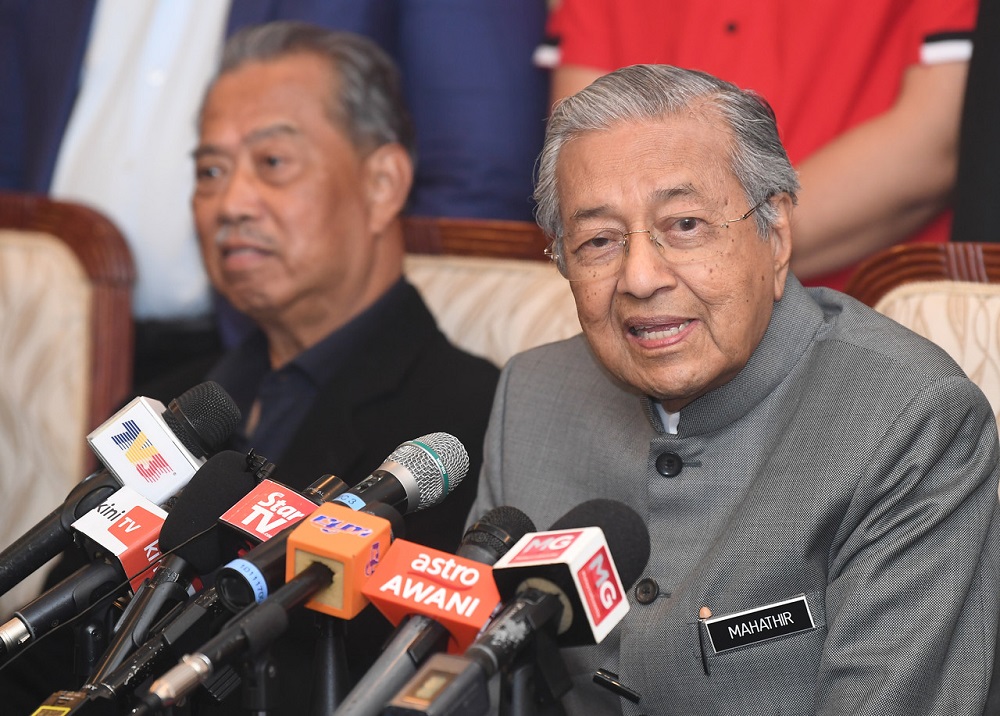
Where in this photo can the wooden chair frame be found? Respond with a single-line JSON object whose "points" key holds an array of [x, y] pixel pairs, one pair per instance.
{"points": [[474, 237], [107, 261], [905, 263]]}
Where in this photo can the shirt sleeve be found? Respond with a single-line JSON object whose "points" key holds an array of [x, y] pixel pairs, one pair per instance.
{"points": [[583, 29], [945, 29]]}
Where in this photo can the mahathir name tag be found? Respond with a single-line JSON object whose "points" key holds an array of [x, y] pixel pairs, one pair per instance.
{"points": [[732, 631]]}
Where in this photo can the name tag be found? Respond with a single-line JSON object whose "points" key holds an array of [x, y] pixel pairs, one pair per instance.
{"points": [[755, 625]]}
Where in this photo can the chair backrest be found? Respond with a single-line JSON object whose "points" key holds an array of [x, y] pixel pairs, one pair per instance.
{"points": [[65, 350], [948, 293], [488, 284]]}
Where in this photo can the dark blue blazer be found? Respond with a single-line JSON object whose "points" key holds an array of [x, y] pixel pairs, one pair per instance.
{"points": [[478, 103]]}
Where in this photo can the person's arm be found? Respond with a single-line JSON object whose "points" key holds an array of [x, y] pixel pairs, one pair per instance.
{"points": [[570, 79], [912, 601], [876, 184]]}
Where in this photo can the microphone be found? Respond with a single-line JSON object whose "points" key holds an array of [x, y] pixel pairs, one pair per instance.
{"points": [[146, 446], [429, 622], [250, 631], [62, 602], [187, 626], [579, 560], [198, 546], [418, 474], [328, 555], [562, 585], [190, 531], [127, 527]]}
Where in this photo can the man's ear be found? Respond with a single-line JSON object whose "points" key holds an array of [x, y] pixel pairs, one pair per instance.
{"points": [[388, 178], [781, 241]]}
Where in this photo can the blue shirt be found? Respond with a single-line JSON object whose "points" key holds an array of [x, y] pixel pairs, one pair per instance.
{"points": [[286, 394]]}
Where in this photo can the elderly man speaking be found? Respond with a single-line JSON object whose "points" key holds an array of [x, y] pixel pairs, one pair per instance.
{"points": [[819, 483]]}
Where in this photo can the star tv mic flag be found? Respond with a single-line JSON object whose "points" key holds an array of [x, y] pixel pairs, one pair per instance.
{"points": [[418, 474]]}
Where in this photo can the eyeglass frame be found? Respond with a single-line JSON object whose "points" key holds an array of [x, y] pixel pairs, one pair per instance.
{"points": [[554, 257]]}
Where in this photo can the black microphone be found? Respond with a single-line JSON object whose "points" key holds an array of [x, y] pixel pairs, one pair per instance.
{"points": [[198, 545], [547, 560], [218, 482], [316, 559], [419, 636], [247, 633], [250, 631], [546, 606], [418, 474], [54, 607], [131, 447], [187, 626]]}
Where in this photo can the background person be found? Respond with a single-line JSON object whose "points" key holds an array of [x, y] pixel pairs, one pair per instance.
{"points": [[100, 99], [303, 164]]}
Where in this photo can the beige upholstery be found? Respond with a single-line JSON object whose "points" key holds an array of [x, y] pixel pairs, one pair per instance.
{"points": [[489, 284], [961, 317], [492, 307], [949, 293], [45, 300], [65, 352]]}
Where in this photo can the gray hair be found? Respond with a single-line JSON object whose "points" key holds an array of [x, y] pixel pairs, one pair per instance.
{"points": [[650, 92], [366, 97]]}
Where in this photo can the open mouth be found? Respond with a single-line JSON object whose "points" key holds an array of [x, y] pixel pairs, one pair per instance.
{"points": [[653, 333]]}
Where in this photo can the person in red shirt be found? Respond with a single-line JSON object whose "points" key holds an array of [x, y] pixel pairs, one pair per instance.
{"points": [[868, 99]]}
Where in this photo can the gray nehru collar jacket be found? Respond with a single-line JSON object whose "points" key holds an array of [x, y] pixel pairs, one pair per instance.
{"points": [[832, 507]]}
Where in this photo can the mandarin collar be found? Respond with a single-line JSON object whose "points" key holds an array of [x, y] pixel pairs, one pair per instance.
{"points": [[795, 321]]}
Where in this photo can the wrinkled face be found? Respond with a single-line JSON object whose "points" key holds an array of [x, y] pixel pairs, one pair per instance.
{"points": [[280, 201], [679, 322]]}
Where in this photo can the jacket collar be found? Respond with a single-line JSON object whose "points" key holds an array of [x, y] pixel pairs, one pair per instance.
{"points": [[795, 321]]}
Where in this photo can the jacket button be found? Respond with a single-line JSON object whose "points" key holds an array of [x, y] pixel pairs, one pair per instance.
{"points": [[646, 591], [669, 464]]}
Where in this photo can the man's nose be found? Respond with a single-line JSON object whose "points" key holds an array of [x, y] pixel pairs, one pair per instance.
{"points": [[644, 269], [240, 199]]}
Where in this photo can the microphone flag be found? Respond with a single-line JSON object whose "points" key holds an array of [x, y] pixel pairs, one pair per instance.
{"points": [[128, 526], [458, 593], [139, 448], [350, 543], [576, 564], [267, 509]]}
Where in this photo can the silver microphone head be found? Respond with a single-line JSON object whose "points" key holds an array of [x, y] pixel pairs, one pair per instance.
{"points": [[433, 464]]}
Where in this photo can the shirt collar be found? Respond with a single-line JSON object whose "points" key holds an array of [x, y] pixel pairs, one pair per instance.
{"points": [[321, 361]]}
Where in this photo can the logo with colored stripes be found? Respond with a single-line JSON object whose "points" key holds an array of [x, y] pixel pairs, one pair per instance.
{"points": [[141, 452]]}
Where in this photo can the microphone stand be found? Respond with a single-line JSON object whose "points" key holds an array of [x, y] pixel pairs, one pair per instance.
{"points": [[164, 589], [91, 637], [536, 681], [260, 685], [330, 671]]}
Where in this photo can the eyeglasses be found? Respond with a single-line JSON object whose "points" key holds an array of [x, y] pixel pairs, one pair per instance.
{"points": [[592, 254]]}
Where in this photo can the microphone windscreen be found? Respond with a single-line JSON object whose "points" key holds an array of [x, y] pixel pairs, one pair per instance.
{"points": [[624, 529], [219, 484], [497, 531], [203, 418], [438, 462]]}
